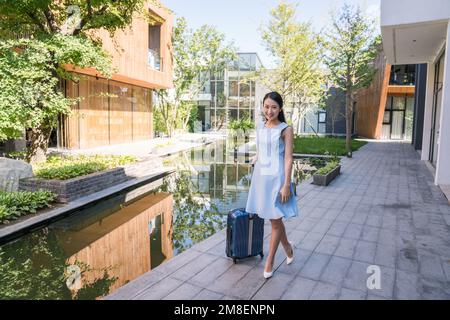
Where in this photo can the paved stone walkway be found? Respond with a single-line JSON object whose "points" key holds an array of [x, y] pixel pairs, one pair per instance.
{"points": [[383, 210]]}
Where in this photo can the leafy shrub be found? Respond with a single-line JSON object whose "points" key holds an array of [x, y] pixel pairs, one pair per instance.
{"points": [[243, 124], [328, 168], [17, 155], [68, 167], [16, 204], [317, 162]]}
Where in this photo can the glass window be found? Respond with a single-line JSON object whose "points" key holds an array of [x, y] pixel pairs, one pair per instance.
{"points": [[244, 114], [244, 90], [233, 103], [388, 103], [218, 118], [245, 62], [234, 90], [244, 102], [232, 114], [387, 117], [398, 103], [154, 47], [322, 117]]}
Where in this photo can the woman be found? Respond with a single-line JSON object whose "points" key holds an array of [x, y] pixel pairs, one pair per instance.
{"points": [[271, 193]]}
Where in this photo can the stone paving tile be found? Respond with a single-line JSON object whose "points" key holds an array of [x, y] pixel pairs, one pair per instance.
{"points": [[307, 224], [160, 289], [186, 291], [300, 258], [349, 294], [311, 241], [190, 269], [357, 276], [211, 272], [337, 228], [365, 251], [430, 266], [433, 289], [407, 286], [274, 288], [299, 289], [173, 265], [327, 245], [387, 282], [314, 266], [296, 236], [336, 270], [386, 255], [134, 288], [353, 231], [324, 291], [370, 233], [346, 248], [206, 294]]}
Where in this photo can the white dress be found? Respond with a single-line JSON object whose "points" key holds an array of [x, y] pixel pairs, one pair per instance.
{"points": [[268, 176]]}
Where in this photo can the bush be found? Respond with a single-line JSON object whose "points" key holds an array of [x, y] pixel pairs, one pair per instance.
{"points": [[68, 167], [17, 155], [16, 204], [328, 168], [243, 124]]}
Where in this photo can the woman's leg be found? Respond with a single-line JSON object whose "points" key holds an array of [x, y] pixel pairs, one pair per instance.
{"points": [[278, 235]]}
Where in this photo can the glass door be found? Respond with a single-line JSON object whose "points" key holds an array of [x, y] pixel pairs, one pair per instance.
{"points": [[436, 115]]}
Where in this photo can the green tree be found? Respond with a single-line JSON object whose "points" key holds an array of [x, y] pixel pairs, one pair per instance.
{"points": [[39, 37], [352, 45], [194, 53], [297, 75]]}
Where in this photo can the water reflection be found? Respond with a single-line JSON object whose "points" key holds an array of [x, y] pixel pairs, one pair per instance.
{"points": [[101, 248], [90, 254]]}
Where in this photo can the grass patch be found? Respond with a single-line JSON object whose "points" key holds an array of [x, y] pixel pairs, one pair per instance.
{"points": [[68, 167], [16, 204], [324, 145]]}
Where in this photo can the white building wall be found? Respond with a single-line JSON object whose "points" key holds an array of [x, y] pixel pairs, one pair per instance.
{"points": [[443, 159], [397, 12]]}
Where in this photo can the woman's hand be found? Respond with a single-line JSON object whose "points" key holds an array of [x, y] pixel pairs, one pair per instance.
{"points": [[253, 159], [285, 193]]}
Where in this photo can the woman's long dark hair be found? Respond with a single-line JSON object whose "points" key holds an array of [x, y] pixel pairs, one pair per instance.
{"points": [[275, 96]]}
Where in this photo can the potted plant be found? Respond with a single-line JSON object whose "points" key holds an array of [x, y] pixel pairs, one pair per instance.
{"points": [[325, 175]]}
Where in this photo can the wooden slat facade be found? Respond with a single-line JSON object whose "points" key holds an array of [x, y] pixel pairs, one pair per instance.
{"points": [[371, 101], [119, 110], [122, 240]]}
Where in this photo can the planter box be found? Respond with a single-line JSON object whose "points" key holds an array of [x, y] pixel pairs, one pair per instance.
{"points": [[324, 180], [71, 189]]}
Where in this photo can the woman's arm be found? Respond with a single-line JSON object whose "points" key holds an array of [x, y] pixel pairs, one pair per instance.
{"points": [[288, 137]]}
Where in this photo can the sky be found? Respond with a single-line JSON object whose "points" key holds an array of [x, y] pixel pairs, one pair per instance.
{"points": [[240, 20]]}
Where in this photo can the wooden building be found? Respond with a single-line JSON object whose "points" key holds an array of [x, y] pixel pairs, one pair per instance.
{"points": [[385, 109], [119, 110]]}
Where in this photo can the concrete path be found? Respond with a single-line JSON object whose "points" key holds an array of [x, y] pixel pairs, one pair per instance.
{"points": [[384, 210]]}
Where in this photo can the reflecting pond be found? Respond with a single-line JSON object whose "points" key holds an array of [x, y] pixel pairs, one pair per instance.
{"points": [[99, 249]]}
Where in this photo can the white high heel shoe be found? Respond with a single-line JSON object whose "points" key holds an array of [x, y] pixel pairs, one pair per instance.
{"points": [[268, 275], [291, 259]]}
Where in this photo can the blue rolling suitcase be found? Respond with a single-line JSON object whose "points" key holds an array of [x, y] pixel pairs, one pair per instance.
{"points": [[245, 235]]}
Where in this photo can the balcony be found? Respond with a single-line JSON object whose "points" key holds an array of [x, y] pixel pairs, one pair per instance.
{"points": [[402, 79]]}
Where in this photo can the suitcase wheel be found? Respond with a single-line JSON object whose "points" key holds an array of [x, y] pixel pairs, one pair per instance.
{"points": [[234, 260], [262, 255]]}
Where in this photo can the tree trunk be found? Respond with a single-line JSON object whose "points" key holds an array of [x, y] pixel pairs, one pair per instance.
{"points": [[38, 144], [348, 124]]}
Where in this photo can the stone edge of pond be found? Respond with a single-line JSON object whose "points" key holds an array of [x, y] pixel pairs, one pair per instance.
{"points": [[15, 230]]}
